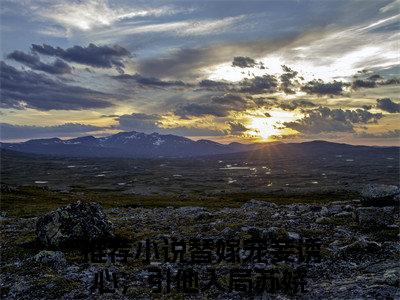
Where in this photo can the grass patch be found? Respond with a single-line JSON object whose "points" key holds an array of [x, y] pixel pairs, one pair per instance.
{"points": [[33, 201]]}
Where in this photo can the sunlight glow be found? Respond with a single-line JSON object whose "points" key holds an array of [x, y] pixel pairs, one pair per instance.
{"points": [[266, 127], [263, 127]]}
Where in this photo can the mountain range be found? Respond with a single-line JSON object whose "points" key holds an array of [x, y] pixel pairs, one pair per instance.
{"points": [[127, 144], [140, 145]]}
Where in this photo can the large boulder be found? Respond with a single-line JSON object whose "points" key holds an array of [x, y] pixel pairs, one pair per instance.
{"points": [[380, 195], [73, 223], [375, 217], [52, 258], [360, 246]]}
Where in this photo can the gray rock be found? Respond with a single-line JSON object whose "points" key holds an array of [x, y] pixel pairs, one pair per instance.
{"points": [[275, 233], [53, 258], [294, 236], [75, 222], [392, 277], [380, 195], [373, 217], [345, 214], [335, 209], [228, 233], [190, 211], [360, 246], [322, 220], [254, 232]]}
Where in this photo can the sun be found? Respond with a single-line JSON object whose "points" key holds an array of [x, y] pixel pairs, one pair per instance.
{"points": [[264, 127]]}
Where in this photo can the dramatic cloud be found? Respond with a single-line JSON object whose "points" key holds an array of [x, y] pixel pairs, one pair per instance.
{"points": [[216, 85], [192, 63], [33, 62], [374, 81], [219, 106], [92, 55], [149, 81], [286, 78], [183, 62], [388, 105], [152, 123], [233, 101], [324, 119], [296, 104], [203, 65], [10, 132], [243, 62], [259, 84], [321, 88], [236, 128], [391, 134], [359, 83], [20, 89]]}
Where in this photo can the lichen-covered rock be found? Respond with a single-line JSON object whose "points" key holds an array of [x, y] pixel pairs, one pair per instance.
{"points": [[380, 195], [75, 222], [375, 217]]}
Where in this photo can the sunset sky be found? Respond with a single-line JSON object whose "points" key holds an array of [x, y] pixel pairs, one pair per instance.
{"points": [[247, 71]]}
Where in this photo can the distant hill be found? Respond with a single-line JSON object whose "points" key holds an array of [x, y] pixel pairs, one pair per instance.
{"points": [[127, 144], [140, 145], [315, 150]]}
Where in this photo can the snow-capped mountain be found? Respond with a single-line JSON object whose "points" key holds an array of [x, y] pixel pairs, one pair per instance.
{"points": [[127, 144]]}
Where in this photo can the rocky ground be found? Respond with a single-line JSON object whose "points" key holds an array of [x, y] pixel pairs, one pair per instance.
{"points": [[359, 252]]}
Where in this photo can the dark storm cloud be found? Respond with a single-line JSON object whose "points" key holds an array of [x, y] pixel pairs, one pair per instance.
{"points": [[259, 84], [216, 85], [359, 83], [219, 106], [34, 62], [265, 102], [324, 119], [232, 100], [319, 87], [9, 131], [373, 81], [391, 134], [92, 55], [388, 105], [149, 81], [243, 62], [287, 78], [236, 128], [21, 89], [152, 123], [296, 104]]}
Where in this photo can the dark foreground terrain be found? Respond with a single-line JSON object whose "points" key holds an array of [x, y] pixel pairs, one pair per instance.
{"points": [[347, 200]]}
